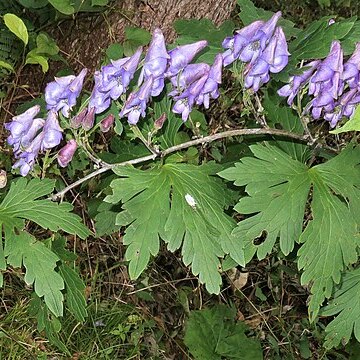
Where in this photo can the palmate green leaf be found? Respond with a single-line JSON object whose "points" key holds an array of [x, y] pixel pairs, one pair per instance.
{"points": [[278, 189], [212, 334], [314, 42], [22, 202], [40, 263], [184, 205], [346, 305], [249, 13], [331, 238]]}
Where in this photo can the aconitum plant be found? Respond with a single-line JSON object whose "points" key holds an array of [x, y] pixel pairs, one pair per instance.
{"points": [[261, 47], [169, 190]]}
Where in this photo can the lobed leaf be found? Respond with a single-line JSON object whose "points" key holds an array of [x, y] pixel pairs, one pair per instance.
{"points": [[278, 188], [156, 204], [212, 334], [22, 202], [40, 263], [346, 305]]}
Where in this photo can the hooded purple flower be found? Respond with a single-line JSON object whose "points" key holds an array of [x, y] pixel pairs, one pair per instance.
{"points": [[351, 73], [235, 44], [191, 73], [273, 59], [328, 76], [276, 53], [66, 153], [211, 86], [52, 132], [136, 102], [155, 63], [62, 93], [257, 74], [112, 81], [182, 56], [28, 156], [23, 128], [345, 107], [323, 102], [186, 100], [259, 40], [296, 82]]}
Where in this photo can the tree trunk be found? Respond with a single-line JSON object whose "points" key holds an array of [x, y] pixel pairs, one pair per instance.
{"points": [[87, 39]]}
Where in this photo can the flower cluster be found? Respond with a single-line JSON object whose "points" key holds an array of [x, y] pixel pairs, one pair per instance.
{"points": [[262, 46], [333, 85], [30, 135]]}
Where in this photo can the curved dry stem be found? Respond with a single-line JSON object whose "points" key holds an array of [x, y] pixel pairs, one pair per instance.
{"points": [[206, 139]]}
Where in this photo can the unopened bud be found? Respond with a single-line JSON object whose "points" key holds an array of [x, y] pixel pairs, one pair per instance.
{"points": [[158, 124], [3, 179], [89, 119], [107, 123], [77, 120], [66, 154]]}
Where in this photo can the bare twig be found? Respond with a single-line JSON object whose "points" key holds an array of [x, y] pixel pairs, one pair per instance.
{"points": [[206, 139]]}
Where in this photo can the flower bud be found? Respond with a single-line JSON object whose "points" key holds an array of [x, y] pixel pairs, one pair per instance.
{"points": [[158, 124], [66, 153], [107, 123], [3, 179], [77, 120], [89, 119]]}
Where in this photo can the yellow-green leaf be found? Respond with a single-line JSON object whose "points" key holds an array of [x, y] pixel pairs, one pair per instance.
{"points": [[17, 26], [352, 125]]}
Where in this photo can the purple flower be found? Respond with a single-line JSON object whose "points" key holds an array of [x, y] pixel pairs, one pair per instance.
{"points": [[211, 86], [352, 68], [28, 156], [23, 128], [327, 78], [52, 132], [235, 44], [191, 73], [298, 81], [107, 123], [344, 107], [112, 81], [186, 100], [155, 63], [182, 56], [100, 100], [136, 102], [323, 102], [66, 153], [259, 40], [62, 93], [276, 53], [257, 74]]}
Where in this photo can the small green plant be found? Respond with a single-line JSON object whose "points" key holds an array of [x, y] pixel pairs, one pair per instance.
{"points": [[213, 334]]}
